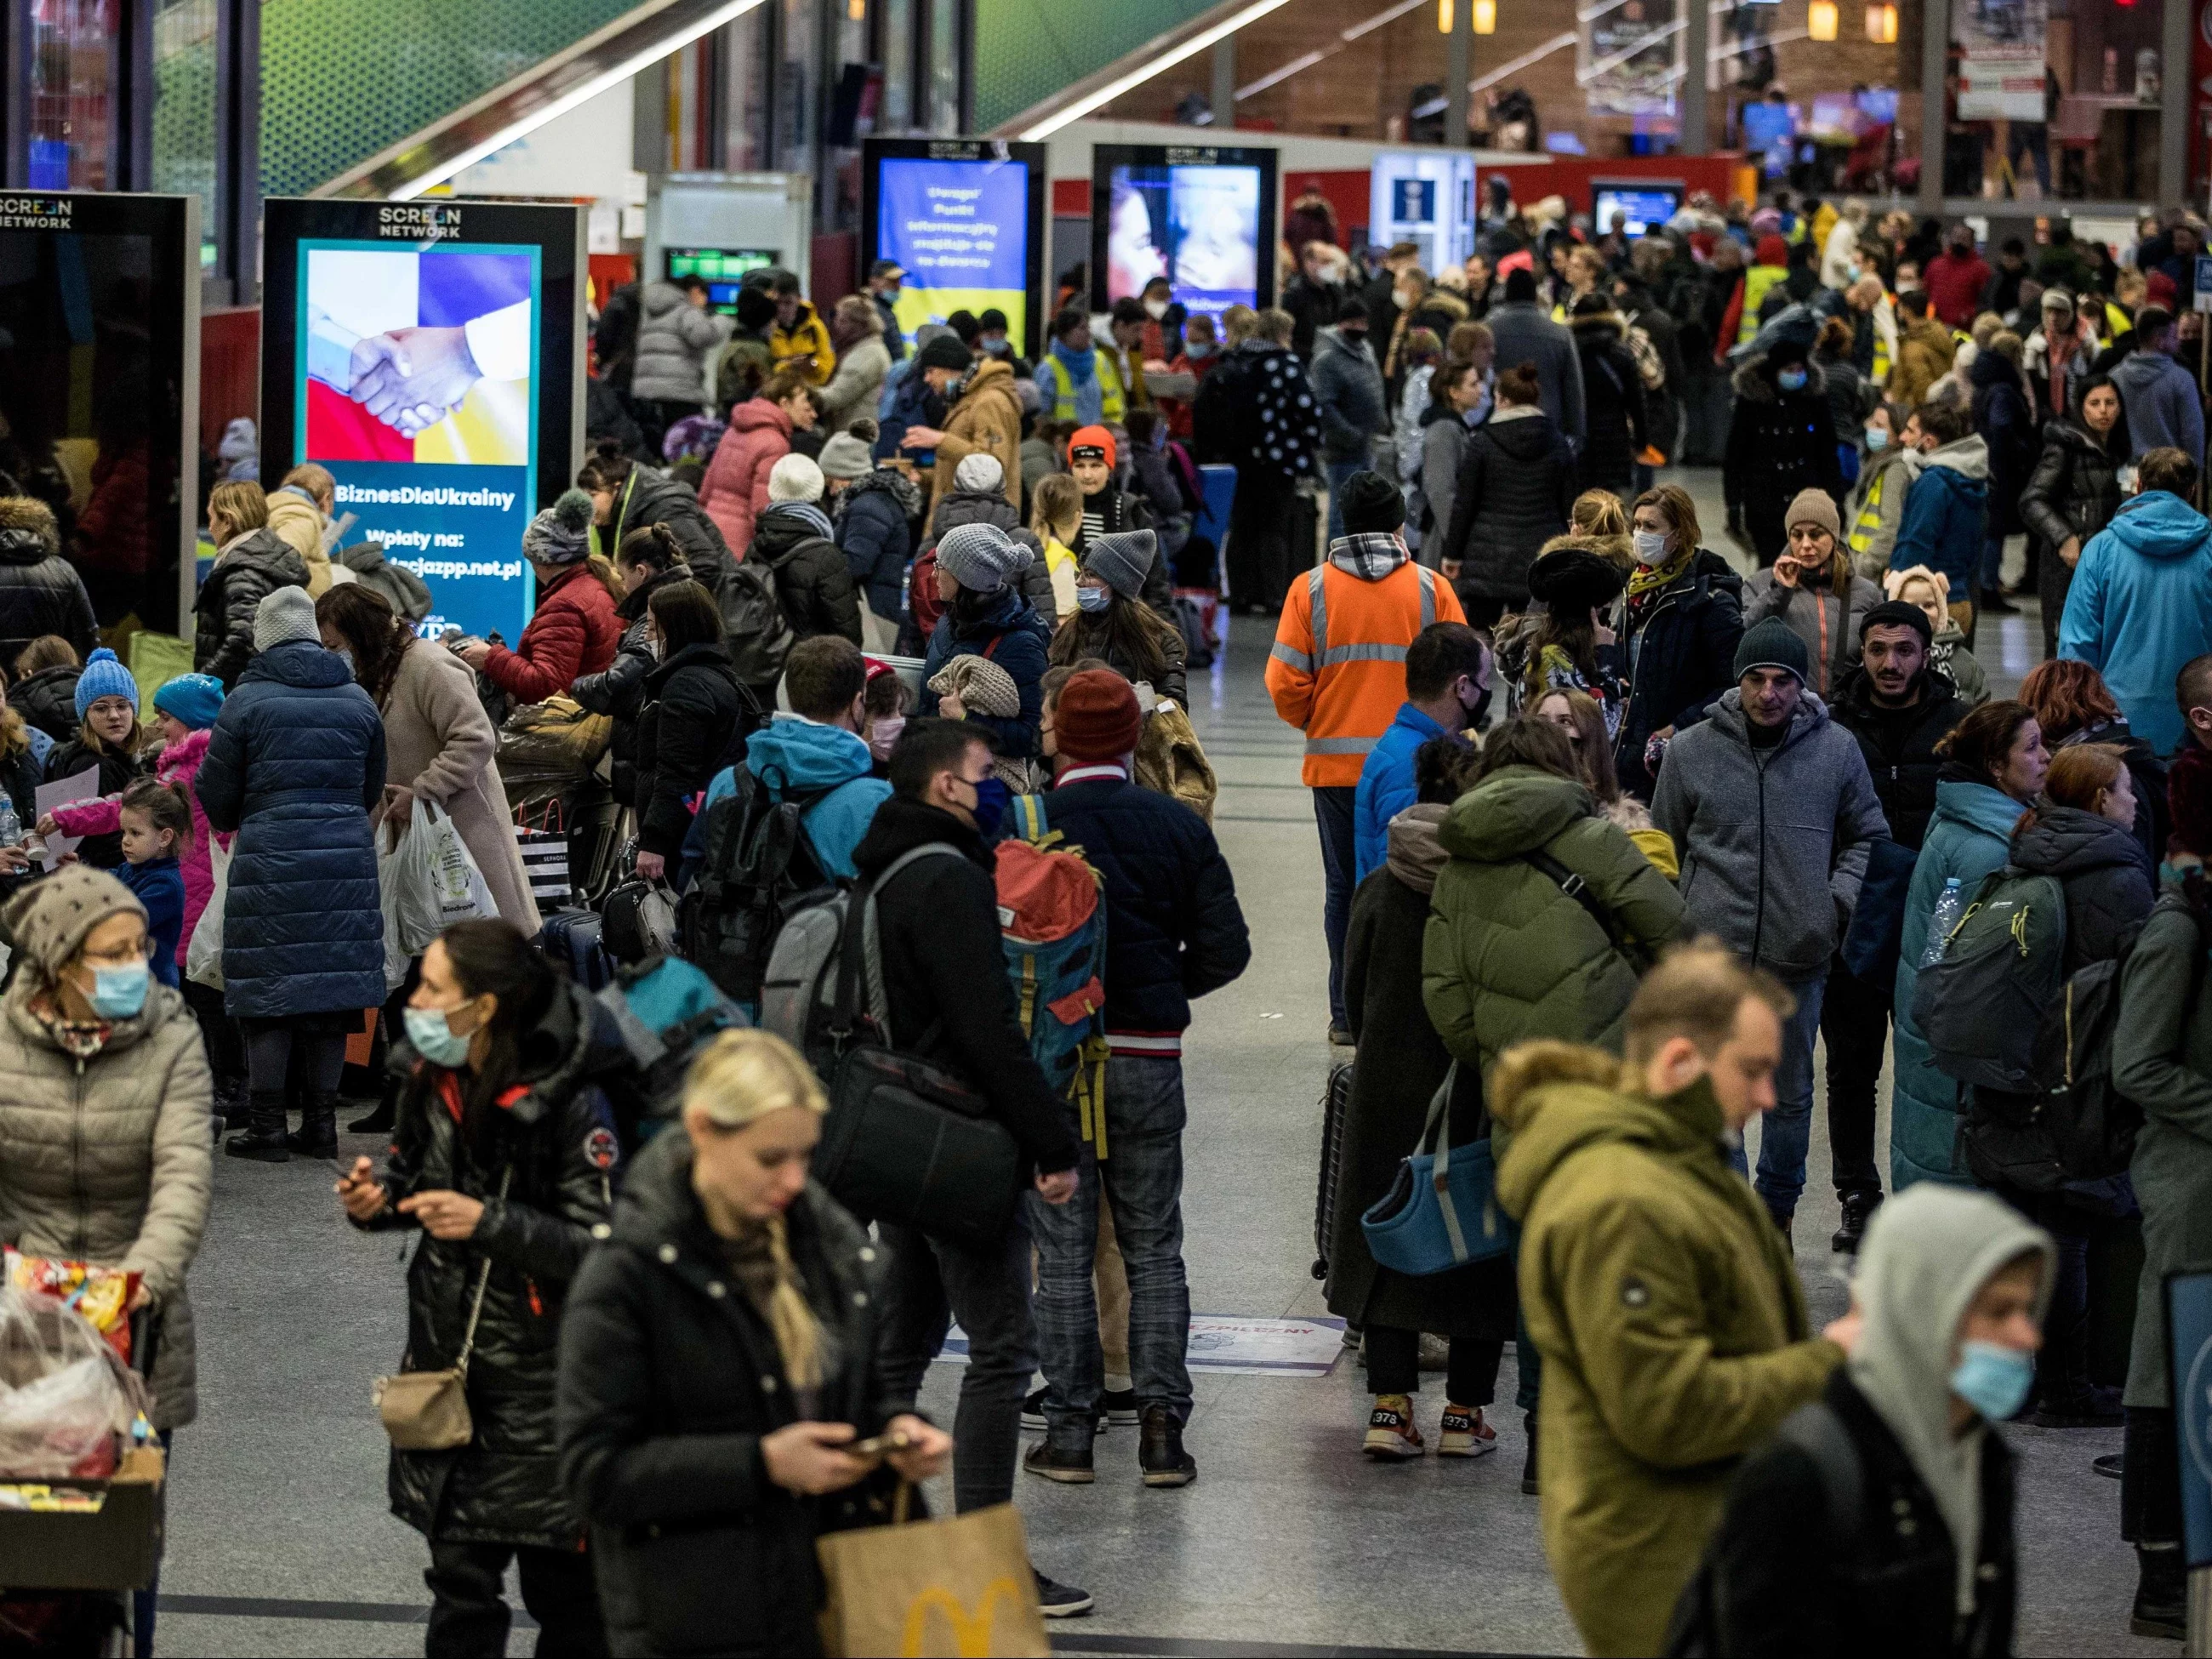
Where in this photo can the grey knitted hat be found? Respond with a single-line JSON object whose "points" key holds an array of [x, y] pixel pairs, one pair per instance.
{"points": [[561, 534], [846, 457], [286, 614], [1124, 559], [980, 473], [981, 556]]}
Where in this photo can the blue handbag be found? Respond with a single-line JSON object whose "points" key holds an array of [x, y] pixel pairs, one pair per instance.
{"points": [[1442, 1210]]}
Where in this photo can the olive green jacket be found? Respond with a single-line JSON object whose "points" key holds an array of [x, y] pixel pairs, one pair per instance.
{"points": [[1509, 954], [1667, 1311]]}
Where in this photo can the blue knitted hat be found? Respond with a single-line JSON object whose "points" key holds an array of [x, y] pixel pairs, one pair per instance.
{"points": [[103, 677], [195, 699]]}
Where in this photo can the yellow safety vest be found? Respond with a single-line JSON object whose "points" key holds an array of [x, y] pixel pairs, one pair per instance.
{"points": [[1867, 524], [1759, 281], [1112, 405], [1881, 359]]}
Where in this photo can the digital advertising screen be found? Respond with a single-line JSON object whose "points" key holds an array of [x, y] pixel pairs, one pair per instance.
{"points": [[1426, 198], [427, 356], [1648, 206], [965, 219], [723, 269], [1202, 216], [99, 336]]}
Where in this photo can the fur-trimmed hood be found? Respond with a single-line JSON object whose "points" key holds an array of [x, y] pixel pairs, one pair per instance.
{"points": [[1753, 382]]}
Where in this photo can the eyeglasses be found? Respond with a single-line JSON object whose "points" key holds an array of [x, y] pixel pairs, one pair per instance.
{"points": [[124, 955]]}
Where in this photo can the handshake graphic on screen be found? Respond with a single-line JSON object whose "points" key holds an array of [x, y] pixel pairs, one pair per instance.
{"points": [[411, 378]]}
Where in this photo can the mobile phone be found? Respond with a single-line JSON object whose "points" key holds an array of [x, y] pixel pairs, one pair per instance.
{"points": [[880, 1445]]}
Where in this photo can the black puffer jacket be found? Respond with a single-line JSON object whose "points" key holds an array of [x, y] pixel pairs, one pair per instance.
{"points": [[1516, 487], [1900, 745], [694, 722], [559, 1139], [40, 592], [813, 582], [872, 519], [2007, 423], [1612, 402], [2147, 774], [47, 700], [670, 1380], [1779, 442], [618, 689], [2104, 870], [1782, 1583], [2075, 488], [251, 568], [652, 497], [1687, 658]]}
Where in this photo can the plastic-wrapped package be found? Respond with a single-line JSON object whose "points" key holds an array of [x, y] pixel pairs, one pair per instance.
{"points": [[64, 1394]]}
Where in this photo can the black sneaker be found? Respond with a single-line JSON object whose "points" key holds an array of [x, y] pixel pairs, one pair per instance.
{"points": [[2098, 1408], [1858, 1208], [1058, 1600], [1033, 1410], [1069, 1465], [1160, 1453], [2113, 1465]]}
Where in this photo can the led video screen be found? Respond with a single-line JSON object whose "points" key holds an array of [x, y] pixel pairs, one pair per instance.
{"points": [[1202, 217]]}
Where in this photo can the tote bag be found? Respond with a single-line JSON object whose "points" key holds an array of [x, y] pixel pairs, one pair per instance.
{"points": [[1442, 1210], [956, 1586]]}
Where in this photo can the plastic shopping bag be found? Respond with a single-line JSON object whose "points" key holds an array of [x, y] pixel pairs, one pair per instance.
{"points": [[204, 953], [439, 883]]}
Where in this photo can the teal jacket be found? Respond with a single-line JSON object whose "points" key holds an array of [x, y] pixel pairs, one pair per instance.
{"points": [[2141, 607], [802, 755], [1970, 835]]}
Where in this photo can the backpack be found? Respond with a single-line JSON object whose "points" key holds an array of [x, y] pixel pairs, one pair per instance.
{"points": [[2074, 1127], [1052, 926], [758, 633], [760, 868], [664, 1008], [1170, 761], [1980, 1004]]}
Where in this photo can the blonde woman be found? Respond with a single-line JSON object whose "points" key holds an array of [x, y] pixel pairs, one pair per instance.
{"points": [[718, 1370], [1056, 520]]}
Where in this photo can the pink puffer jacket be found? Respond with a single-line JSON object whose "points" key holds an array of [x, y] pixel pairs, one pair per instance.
{"points": [[734, 492], [180, 762]]}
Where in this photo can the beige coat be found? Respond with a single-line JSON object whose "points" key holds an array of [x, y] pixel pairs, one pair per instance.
{"points": [[439, 742], [987, 421], [111, 1166], [298, 523]]}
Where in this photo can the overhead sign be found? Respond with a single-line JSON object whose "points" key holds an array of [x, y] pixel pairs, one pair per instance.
{"points": [[429, 356]]}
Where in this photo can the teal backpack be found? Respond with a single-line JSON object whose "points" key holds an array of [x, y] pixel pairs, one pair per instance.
{"points": [[1052, 924]]}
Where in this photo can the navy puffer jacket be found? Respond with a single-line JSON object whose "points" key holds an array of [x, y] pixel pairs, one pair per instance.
{"points": [[294, 765], [1010, 634], [872, 528]]}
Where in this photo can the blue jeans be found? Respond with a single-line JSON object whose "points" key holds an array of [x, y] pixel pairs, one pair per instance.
{"points": [[1333, 811], [1142, 1178], [1338, 472], [1788, 1129]]}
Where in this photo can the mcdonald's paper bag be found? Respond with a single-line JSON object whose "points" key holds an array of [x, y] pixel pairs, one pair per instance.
{"points": [[959, 1587]]}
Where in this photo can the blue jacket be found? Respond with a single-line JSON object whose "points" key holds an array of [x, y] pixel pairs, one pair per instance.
{"points": [[1944, 513], [2141, 607], [1174, 929], [806, 757], [294, 766], [1009, 634], [872, 530], [1970, 835], [1387, 786], [160, 886]]}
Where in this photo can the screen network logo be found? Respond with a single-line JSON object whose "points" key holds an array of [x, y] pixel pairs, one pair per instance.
{"points": [[419, 224], [36, 212]]}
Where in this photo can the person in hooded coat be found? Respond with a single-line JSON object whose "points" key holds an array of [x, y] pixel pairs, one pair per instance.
{"points": [[1612, 397], [1515, 490], [647, 561], [2007, 423], [40, 592], [252, 562], [627, 497], [1948, 1300], [1782, 440], [695, 720], [1948, 504], [986, 615], [796, 543], [1678, 622]]}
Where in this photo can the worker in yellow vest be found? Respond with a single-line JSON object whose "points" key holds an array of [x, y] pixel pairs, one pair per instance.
{"points": [[1075, 381], [1872, 319], [1878, 504], [1760, 279]]}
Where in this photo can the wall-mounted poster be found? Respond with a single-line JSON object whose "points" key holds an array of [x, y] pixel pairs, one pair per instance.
{"points": [[1629, 58], [2001, 66], [965, 218], [430, 357], [1203, 216]]}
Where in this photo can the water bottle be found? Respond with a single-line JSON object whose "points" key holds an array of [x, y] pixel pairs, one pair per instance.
{"points": [[11, 827], [1953, 900]]}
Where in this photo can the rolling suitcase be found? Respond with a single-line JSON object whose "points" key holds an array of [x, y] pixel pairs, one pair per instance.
{"points": [[1335, 1101], [571, 939]]}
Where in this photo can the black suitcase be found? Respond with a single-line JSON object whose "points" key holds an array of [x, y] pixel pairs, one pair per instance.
{"points": [[571, 939], [1335, 1101]]}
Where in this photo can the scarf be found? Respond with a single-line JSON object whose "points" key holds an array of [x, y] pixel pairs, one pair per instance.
{"points": [[78, 1039], [813, 516], [1414, 855], [2057, 348], [1081, 365], [1647, 582], [1369, 555]]}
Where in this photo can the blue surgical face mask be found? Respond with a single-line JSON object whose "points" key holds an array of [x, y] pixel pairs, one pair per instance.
{"points": [[1877, 438], [1093, 599], [1993, 1379], [433, 1039], [119, 992], [1198, 350], [997, 348], [1790, 379], [992, 798]]}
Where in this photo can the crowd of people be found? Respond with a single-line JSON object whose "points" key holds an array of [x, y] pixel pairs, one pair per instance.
{"points": [[1614, 836]]}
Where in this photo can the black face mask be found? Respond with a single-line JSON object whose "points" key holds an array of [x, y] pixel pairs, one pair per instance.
{"points": [[1481, 707]]}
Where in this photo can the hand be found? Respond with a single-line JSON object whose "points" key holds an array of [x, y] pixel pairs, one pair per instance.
{"points": [[803, 1458], [2070, 551], [1665, 734], [413, 378], [476, 654], [1787, 570], [364, 1199], [930, 1446], [921, 437], [1056, 1188], [950, 707], [652, 866], [67, 858], [1603, 634], [1844, 1333], [140, 1298], [447, 1215], [1449, 570], [398, 802], [13, 861], [46, 826]]}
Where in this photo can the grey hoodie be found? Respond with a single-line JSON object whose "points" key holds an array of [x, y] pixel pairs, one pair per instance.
{"points": [[1773, 841]]}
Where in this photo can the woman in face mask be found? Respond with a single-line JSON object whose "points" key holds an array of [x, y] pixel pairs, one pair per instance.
{"points": [[504, 1159], [1879, 1519], [1782, 440], [1113, 622]]}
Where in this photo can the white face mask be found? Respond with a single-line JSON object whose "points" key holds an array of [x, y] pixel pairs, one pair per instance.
{"points": [[1650, 547], [1156, 309]]}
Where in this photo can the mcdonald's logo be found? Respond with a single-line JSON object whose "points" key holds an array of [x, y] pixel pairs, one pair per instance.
{"points": [[971, 1635]]}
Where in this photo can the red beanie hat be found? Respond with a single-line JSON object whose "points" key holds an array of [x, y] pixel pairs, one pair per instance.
{"points": [[1096, 718], [1091, 437]]}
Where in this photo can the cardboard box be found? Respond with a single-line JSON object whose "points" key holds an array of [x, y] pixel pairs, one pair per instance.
{"points": [[115, 1547]]}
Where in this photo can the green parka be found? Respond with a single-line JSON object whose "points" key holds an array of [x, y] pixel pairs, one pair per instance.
{"points": [[1509, 954], [1667, 1312]]}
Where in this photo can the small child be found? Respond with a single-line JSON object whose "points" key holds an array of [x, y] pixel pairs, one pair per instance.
{"points": [[156, 828], [886, 703], [1930, 590], [1056, 520], [110, 739]]}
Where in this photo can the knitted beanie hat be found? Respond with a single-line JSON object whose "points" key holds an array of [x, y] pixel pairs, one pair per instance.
{"points": [[1372, 504], [846, 456], [1096, 718], [794, 478], [1096, 440], [195, 699], [49, 920], [980, 473], [981, 556], [1773, 644], [1124, 559], [561, 534], [285, 615], [1814, 507], [944, 351], [104, 676]]}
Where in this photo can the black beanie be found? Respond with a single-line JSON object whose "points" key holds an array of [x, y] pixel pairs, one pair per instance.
{"points": [[945, 351], [1520, 287], [1897, 613], [1371, 503]]}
